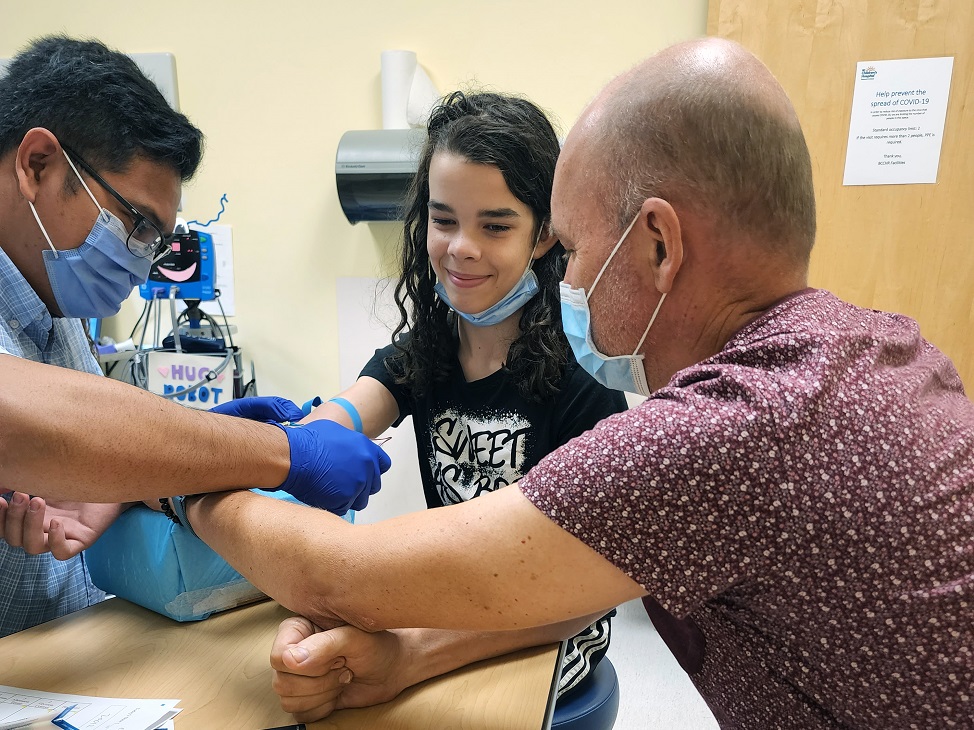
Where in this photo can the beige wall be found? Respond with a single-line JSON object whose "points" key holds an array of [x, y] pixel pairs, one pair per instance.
{"points": [[275, 84]]}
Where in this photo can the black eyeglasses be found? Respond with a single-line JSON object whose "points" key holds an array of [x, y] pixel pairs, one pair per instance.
{"points": [[145, 240]]}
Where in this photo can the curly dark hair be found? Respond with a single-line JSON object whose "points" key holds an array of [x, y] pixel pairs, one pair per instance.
{"points": [[515, 136]]}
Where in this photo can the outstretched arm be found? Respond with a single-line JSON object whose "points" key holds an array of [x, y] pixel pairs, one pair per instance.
{"points": [[495, 562], [371, 399], [71, 435]]}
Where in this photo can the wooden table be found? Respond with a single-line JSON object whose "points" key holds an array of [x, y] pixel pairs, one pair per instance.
{"points": [[219, 670]]}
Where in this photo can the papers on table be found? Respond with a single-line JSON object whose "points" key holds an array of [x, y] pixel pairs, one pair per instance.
{"points": [[89, 713]]}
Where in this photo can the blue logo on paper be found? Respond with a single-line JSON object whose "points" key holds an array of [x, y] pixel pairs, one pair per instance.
{"points": [[868, 73]]}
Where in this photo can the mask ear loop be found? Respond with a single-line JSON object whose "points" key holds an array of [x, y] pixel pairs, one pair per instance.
{"points": [[622, 240], [82, 181], [651, 320], [43, 229], [87, 190], [432, 272], [537, 242], [531, 255]]}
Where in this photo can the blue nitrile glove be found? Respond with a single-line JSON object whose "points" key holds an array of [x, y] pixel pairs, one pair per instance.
{"points": [[333, 467], [261, 408]]}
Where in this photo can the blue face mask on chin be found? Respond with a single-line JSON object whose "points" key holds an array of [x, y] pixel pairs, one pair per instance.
{"points": [[521, 294], [94, 279], [622, 372], [517, 297]]}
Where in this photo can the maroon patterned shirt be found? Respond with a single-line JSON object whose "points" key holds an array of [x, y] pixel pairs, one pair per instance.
{"points": [[805, 500]]}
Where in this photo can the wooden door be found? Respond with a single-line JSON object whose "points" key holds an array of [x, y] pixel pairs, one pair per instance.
{"points": [[903, 248]]}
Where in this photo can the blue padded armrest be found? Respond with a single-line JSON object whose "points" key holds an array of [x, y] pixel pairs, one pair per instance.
{"points": [[147, 559]]}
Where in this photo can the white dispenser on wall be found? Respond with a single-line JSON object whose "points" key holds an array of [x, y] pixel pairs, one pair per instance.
{"points": [[373, 170]]}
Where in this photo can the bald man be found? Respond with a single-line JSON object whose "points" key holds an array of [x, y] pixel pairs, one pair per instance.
{"points": [[796, 495]]}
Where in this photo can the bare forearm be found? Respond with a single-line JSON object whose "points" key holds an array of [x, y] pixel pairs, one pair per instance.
{"points": [[69, 435], [432, 652], [494, 563], [375, 405], [289, 552]]}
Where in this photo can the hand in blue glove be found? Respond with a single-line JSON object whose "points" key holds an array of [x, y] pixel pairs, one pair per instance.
{"points": [[261, 408], [333, 467]]}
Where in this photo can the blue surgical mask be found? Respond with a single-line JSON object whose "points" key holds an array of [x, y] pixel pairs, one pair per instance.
{"points": [[94, 279], [622, 372], [521, 294]]}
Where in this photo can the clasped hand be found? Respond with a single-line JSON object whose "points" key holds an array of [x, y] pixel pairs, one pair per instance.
{"points": [[317, 672], [332, 467]]}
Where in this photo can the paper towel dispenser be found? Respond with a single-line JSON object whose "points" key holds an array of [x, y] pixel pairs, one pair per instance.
{"points": [[373, 169]]}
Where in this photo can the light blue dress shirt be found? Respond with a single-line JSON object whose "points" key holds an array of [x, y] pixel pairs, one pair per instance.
{"points": [[38, 588]]}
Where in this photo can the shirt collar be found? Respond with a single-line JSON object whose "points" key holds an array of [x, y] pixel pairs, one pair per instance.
{"points": [[21, 306]]}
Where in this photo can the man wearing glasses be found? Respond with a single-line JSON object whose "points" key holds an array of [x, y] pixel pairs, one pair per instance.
{"points": [[91, 162]]}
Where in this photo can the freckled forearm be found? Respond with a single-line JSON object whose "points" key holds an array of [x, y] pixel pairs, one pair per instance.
{"points": [[491, 564], [282, 548]]}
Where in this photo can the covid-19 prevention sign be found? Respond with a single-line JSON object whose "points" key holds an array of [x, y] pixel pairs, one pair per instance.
{"points": [[899, 108]]}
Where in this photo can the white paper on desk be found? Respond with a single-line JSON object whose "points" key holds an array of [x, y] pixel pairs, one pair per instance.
{"points": [[90, 713], [22, 716]]}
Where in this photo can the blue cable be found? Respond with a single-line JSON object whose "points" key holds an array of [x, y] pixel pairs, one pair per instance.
{"points": [[223, 199]]}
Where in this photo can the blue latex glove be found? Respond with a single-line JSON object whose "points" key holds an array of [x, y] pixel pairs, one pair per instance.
{"points": [[333, 467], [261, 408]]}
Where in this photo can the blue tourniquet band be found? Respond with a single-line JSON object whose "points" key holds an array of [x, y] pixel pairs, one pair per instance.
{"points": [[351, 411], [311, 405]]}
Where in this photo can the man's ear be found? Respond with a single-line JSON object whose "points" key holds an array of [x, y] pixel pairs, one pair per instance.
{"points": [[659, 225], [546, 239], [38, 158]]}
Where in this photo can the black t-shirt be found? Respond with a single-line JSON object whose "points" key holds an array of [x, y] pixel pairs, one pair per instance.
{"points": [[479, 436], [476, 437]]}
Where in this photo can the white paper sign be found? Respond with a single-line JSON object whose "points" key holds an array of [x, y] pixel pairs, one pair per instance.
{"points": [[898, 112], [223, 260], [181, 372]]}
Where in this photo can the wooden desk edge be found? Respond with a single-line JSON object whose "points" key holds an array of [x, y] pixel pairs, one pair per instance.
{"points": [[105, 650]]}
